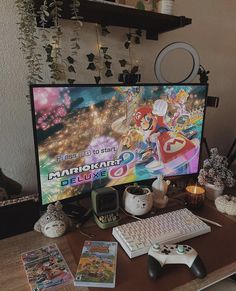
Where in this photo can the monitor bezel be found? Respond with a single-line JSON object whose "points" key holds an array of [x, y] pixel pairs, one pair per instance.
{"points": [[119, 187]]}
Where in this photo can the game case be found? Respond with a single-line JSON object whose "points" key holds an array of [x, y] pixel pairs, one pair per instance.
{"points": [[97, 265], [46, 268]]}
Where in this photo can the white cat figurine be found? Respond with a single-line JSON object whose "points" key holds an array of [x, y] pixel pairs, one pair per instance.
{"points": [[159, 189]]}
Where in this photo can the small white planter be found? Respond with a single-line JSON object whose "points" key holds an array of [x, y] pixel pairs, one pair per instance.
{"points": [[166, 6], [212, 191]]}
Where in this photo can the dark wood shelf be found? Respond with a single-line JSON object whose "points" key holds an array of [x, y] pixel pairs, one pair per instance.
{"points": [[108, 14]]}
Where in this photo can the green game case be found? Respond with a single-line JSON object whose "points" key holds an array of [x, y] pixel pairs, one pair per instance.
{"points": [[97, 264]]}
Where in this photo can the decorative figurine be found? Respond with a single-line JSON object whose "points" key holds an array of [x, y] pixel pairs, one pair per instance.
{"points": [[54, 222], [159, 188]]}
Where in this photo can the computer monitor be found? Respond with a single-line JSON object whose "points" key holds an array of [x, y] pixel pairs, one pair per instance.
{"points": [[91, 136]]}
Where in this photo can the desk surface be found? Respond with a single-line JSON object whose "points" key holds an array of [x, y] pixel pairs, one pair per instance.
{"points": [[217, 250]]}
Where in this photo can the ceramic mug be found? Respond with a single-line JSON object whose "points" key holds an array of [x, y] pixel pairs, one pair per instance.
{"points": [[135, 203]]}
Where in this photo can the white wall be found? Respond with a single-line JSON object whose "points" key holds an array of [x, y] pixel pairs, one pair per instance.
{"points": [[212, 33]]}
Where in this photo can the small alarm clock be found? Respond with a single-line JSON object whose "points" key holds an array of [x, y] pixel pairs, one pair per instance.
{"points": [[105, 203]]}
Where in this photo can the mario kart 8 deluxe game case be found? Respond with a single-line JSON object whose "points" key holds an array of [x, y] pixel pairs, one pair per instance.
{"points": [[97, 265], [46, 268]]}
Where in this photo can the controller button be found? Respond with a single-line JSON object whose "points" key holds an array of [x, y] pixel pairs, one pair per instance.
{"points": [[166, 252], [156, 246], [180, 249]]}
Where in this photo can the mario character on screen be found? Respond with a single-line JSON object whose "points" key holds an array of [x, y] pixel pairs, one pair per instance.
{"points": [[166, 146]]}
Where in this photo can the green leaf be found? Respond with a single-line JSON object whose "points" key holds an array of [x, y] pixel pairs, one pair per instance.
{"points": [[108, 64], [46, 13], [134, 70], [105, 31], [108, 73], [71, 81], [70, 60], [71, 69], [103, 49], [97, 79], [127, 44], [91, 66], [107, 57], [129, 35], [90, 57], [122, 62], [49, 59], [139, 32]]}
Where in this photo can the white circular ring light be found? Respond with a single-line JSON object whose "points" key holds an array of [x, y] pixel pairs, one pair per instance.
{"points": [[171, 47]]}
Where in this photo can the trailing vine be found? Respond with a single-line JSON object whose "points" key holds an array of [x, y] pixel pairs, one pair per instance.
{"points": [[56, 66], [102, 62], [75, 46], [28, 39], [129, 69], [61, 67]]}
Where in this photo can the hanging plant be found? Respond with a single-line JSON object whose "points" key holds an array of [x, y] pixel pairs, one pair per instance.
{"points": [[43, 14], [94, 67], [75, 46], [71, 69], [28, 39], [130, 73], [133, 37], [129, 76], [49, 16], [101, 63], [107, 61], [57, 68], [43, 21]]}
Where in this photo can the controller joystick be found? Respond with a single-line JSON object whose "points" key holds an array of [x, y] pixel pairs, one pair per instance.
{"points": [[160, 255]]}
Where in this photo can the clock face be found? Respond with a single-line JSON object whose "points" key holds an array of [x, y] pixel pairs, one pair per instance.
{"points": [[106, 202]]}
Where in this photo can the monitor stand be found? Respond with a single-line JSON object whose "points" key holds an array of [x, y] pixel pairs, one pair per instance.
{"points": [[74, 210]]}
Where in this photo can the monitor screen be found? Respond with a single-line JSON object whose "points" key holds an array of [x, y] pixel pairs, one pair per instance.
{"points": [[90, 136]]}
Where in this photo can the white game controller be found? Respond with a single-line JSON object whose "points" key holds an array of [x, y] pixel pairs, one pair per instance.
{"points": [[160, 255]]}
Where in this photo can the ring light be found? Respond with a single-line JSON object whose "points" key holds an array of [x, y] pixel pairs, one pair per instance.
{"points": [[173, 46]]}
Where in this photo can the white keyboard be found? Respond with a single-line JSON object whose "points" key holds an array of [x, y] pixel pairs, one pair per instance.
{"points": [[172, 227]]}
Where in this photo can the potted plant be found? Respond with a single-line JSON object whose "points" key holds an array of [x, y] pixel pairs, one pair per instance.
{"points": [[137, 200], [215, 174]]}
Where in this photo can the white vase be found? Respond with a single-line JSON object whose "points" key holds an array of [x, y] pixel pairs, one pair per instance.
{"points": [[212, 191]]}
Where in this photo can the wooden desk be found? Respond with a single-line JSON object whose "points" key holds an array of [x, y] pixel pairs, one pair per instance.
{"points": [[217, 250]]}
